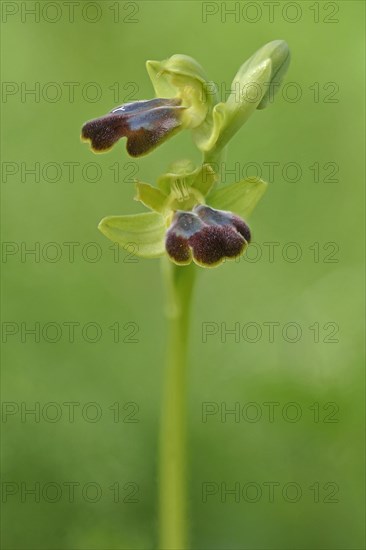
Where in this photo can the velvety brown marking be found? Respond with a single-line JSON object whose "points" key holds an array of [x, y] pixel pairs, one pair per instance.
{"points": [[105, 131], [177, 248]]}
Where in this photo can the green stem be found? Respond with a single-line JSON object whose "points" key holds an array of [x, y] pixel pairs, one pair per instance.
{"points": [[172, 474], [215, 157]]}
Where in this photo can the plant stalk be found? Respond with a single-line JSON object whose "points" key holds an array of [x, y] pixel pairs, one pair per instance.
{"points": [[179, 281], [215, 158]]}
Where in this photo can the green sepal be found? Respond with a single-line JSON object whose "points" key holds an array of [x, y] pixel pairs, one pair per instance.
{"points": [[202, 178], [164, 182], [151, 197], [239, 198], [181, 76], [146, 232], [165, 74], [178, 172]]}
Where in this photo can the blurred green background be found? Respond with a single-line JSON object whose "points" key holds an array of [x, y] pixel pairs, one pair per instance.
{"points": [[319, 452]]}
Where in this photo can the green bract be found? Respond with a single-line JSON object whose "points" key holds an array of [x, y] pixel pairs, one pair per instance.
{"points": [[186, 99]]}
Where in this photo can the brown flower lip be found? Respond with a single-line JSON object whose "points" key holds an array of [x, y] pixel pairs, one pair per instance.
{"points": [[146, 124], [207, 236]]}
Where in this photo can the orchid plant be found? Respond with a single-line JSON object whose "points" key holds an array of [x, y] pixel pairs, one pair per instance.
{"points": [[192, 220]]}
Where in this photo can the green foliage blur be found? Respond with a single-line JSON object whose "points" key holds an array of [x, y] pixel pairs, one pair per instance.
{"points": [[292, 452]]}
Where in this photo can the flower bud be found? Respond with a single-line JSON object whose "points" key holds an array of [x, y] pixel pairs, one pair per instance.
{"points": [[254, 85], [278, 53]]}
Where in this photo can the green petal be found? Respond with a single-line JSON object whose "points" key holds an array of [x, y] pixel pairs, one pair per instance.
{"points": [[181, 76], [162, 73], [151, 197], [145, 232], [239, 198]]}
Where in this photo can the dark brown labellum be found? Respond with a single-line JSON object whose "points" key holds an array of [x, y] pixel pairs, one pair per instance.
{"points": [[207, 235], [146, 124]]}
